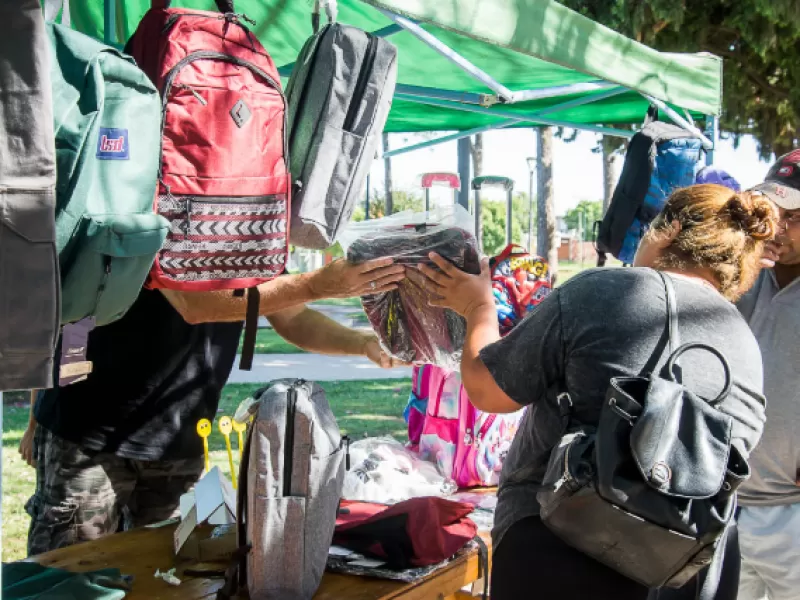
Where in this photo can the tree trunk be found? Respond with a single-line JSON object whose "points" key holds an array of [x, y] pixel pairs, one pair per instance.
{"points": [[387, 180], [546, 230], [609, 175], [476, 148]]}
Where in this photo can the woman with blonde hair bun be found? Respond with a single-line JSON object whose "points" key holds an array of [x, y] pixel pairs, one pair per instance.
{"points": [[602, 324]]}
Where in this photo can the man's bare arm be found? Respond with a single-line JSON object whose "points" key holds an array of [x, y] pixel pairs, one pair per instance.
{"points": [[313, 331], [26, 443], [339, 279], [218, 307]]}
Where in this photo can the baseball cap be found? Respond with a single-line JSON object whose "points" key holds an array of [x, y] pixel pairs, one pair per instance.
{"points": [[782, 183], [717, 176]]}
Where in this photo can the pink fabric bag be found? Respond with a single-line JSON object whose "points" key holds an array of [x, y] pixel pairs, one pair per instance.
{"points": [[468, 445], [417, 404]]}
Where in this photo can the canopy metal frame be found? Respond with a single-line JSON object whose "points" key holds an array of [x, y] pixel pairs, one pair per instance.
{"points": [[487, 103]]}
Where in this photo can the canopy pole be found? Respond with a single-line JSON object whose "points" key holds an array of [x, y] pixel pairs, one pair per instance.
{"points": [[453, 96], [476, 207], [681, 121], [503, 124], [712, 131], [448, 138], [509, 216], [366, 202], [564, 90], [534, 118], [464, 158], [110, 22], [502, 91], [527, 95]]}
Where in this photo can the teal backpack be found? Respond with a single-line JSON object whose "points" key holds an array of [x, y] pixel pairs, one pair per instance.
{"points": [[107, 126]]}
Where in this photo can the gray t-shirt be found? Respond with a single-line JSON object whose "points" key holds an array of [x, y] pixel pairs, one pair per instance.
{"points": [[607, 323], [774, 317]]}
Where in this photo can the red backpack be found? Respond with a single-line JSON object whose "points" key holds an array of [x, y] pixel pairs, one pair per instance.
{"points": [[224, 185]]}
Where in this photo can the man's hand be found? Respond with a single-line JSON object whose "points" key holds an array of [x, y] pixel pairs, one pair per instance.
{"points": [[342, 279], [26, 446], [374, 352]]}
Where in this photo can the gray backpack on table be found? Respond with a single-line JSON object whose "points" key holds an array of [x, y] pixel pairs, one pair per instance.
{"points": [[290, 483], [339, 96]]}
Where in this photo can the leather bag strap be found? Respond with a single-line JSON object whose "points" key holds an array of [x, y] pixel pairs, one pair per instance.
{"points": [[250, 329], [670, 339], [672, 313]]}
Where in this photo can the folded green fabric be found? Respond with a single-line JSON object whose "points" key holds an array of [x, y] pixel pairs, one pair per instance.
{"points": [[31, 581]]}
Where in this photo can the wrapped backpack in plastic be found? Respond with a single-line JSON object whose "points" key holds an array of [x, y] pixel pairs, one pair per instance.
{"points": [[385, 471], [409, 328]]}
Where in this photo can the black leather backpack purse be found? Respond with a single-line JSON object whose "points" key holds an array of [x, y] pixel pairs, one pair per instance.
{"points": [[651, 490]]}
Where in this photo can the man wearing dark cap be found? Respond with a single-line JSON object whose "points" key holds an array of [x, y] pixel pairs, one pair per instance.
{"points": [[769, 523]]}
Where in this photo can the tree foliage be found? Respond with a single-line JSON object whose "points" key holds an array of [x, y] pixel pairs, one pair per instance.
{"points": [[493, 218], [592, 211], [402, 200], [759, 41]]}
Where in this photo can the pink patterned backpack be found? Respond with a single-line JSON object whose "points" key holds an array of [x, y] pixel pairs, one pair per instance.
{"points": [[417, 405], [467, 445]]}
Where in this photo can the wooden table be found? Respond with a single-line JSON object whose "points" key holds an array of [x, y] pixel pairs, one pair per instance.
{"points": [[141, 552]]}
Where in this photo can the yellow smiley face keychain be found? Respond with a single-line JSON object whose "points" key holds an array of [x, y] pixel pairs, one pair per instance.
{"points": [[204, 430], [225, 428], [240, 427]]}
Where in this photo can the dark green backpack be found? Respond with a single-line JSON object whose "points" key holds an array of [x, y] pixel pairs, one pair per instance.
{"points": [[107, 126]]}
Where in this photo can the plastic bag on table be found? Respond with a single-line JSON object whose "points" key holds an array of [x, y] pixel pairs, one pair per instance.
{"points": [[410, 329], [386, 471]]}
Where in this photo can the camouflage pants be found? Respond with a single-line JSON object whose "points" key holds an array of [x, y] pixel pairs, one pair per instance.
{"points": [[81, 495]]}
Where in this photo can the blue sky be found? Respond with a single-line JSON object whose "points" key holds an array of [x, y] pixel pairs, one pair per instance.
{"points": [[577, 171]]}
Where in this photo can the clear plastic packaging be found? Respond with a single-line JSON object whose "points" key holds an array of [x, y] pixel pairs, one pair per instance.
{"points": [[409, 328], [385, 471]]}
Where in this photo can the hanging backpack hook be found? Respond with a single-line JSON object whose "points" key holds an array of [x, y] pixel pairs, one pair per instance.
{"points": [[331, 11]]}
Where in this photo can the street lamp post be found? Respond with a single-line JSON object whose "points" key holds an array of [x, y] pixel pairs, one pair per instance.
{"points": [[531, 166], [366, 202]]}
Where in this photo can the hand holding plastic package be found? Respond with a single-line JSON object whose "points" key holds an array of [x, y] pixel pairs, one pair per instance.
{"points": [[409, 328]]}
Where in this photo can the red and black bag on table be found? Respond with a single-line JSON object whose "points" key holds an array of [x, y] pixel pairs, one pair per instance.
{"points": [[415, 533], [420, 532], [224, 185]]}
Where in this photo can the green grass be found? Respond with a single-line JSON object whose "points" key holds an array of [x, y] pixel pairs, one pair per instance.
{"points": [[19, 481], [348, 302], [269, 342], [568, 270], [363, 408]]}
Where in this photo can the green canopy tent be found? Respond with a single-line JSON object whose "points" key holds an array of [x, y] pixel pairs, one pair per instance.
{"points": [[465, 64], [470, 66]]}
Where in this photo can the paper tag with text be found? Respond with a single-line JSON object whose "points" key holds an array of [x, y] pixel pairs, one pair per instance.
{"points": [[74, 340]]}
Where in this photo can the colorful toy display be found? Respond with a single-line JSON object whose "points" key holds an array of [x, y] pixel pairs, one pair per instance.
{"points": [[520, 281]]}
